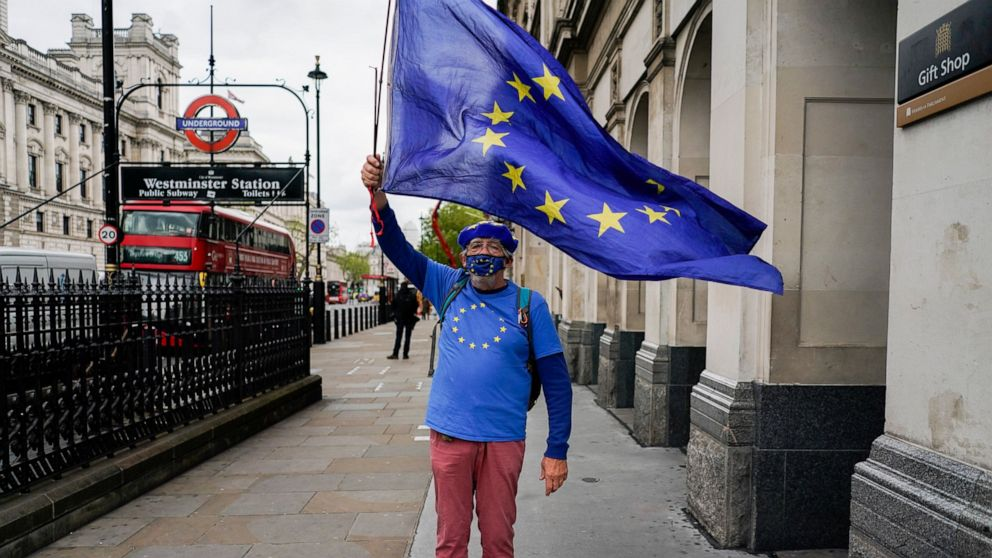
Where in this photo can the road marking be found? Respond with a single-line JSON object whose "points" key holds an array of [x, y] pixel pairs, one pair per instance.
{"points": [[423, 427], [420, 385], [352, 371], [421, 438], [384, 370], [316, 370], [356, 361], [378, 387]]}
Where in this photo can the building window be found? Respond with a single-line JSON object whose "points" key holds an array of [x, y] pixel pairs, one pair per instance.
{"points": [[66, 225], [161, 155], [83, 192], [82, 133], [33, 115], [33, 171], [123, 148], [59, 177], [58, 124], [161, 95], [89, 228], [39, 221]]}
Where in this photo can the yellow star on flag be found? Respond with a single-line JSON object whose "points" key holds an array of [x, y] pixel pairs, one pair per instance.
{"points": [[454, 329], [471, 345], [608, 219], [457, 318], [502, 329], [552, 208], [461, 339], [515, 176], [485, 345], [473, 307], [462, 310], [482, 305], [490, 139], [523, 91], [550, 84], [497, 115], [676, 211], [654, 215], [658, 184], [497, 339]]}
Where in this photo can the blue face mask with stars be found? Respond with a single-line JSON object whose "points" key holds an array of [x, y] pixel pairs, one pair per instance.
{"points": [[484, 265]]}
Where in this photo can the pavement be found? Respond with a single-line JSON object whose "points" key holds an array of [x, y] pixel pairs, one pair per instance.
{"points": [[350, 477]]}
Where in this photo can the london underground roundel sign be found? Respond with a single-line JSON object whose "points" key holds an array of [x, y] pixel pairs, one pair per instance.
{"points": [[230, 123]]}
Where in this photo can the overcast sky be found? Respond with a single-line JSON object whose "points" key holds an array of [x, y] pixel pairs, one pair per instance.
{"points": [[260, 41]]}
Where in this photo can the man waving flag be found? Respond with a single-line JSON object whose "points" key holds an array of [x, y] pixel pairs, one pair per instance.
{"points": [[481, 114]]}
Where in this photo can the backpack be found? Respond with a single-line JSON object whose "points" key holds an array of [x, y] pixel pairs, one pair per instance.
{"points": [[523, 317]]}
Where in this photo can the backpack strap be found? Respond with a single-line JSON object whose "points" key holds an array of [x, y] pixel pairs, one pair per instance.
{"points": [[452, 295], [523, 318]]}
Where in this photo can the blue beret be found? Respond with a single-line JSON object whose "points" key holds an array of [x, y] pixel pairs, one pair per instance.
{"points": [[488, 229]]}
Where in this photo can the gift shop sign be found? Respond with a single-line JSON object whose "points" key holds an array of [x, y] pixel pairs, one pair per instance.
{"points": [[940, 65]]}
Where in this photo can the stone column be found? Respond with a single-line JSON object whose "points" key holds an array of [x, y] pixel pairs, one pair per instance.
{"points": [[791, 396], [926, 489], [10, 166], [21, 138], [96, 156], [73, 138], [48, 171]]}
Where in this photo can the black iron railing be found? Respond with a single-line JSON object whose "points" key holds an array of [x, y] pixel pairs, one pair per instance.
{"points": [[89, 368]]}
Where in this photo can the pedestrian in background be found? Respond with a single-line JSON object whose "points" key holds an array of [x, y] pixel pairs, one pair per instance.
{"points": [[491, 345], [405, 315]]}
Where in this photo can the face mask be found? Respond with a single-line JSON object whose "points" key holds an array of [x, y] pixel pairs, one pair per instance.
{"points": [[484, 265]]}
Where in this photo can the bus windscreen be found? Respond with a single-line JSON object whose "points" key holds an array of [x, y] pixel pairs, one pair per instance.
{"points": [[161, 223]]}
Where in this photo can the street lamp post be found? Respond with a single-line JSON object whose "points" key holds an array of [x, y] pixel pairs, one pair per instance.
{"points": [[317, 75]]}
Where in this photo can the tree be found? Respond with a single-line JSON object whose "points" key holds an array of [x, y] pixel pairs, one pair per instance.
{"points": [[353, 265], [452, 218]]}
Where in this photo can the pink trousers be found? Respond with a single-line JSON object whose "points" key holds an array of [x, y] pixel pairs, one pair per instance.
{"points": [[489, 471]]}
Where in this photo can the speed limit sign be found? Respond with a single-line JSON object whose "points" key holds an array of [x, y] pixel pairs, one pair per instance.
{"points": [[109, 234]]}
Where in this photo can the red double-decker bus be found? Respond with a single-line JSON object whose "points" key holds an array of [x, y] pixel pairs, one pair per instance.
{"points": [[194, 238]]}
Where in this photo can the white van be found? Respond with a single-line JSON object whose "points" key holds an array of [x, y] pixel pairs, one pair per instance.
{"points": [[59, 264]]}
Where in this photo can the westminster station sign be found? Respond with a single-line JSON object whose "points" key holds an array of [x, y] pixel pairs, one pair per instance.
{"points": [[946, 63], [217, 183]]}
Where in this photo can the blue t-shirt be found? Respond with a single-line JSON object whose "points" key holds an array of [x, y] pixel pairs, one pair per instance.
{"points": [[481, 383]]}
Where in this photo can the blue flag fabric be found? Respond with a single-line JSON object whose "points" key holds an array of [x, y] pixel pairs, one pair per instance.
{"points": [[482, 115]]}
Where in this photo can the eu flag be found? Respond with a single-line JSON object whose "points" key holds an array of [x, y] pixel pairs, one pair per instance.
{"points": [[481, 114]]}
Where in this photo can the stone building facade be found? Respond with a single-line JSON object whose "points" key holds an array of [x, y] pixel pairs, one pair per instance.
{"points": [[786, 109], [51, 122]]}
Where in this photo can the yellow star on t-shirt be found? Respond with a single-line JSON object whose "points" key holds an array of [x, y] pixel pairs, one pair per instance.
{"points": [[497, 339], [552, 208], [485, 345], [502, 329], [658, 184], [490, 139], [497, 115], [608, 219], [654, 215], [550, 84], [515, 176], [471, 345], [523, 91]]}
